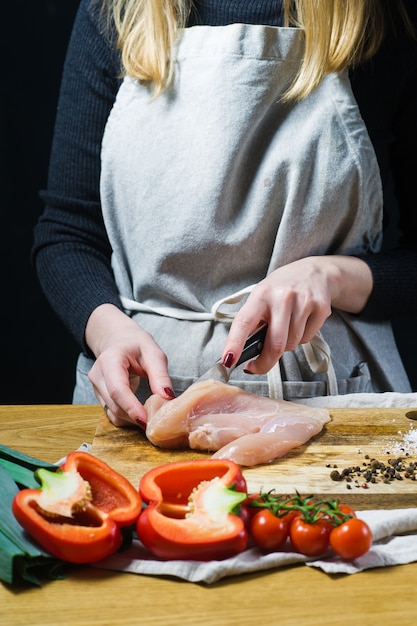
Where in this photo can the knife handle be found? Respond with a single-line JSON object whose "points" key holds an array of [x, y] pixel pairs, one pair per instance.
{"points": [[253, 346]]}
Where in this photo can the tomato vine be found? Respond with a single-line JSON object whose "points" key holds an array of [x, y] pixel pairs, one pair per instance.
{"points": [[312, 525]]}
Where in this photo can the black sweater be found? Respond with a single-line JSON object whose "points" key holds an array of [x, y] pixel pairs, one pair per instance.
{"points": [[71, 250]]}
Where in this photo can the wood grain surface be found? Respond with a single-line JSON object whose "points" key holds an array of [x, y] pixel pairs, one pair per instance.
{"points": [[347, 440]]}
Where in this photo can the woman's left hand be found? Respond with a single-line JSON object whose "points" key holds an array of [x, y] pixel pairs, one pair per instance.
{"points": [[295, 300]]}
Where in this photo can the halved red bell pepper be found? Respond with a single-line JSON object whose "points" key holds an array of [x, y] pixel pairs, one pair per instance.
{"points": [[190, 512], [78, 512]]}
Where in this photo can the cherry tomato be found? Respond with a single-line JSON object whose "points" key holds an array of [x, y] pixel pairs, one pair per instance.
{"points": [[268, 531], [342, 510], [290, 516], [346, 509], [351, 539], [247, 512], [310, 538]]}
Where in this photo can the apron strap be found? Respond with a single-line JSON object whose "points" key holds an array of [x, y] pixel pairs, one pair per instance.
{"points": [[318, 356], [214, 315]]}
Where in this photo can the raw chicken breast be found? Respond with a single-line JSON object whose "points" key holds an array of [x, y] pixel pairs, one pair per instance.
{"points": [[236, 424]]}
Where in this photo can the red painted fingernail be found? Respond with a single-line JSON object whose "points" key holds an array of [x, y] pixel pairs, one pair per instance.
{"points": [[169, 393], [248, 372], [228, 359]]}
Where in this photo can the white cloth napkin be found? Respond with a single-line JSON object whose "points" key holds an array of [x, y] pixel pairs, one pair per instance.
{"points": [[357, 400], [395, 543]]}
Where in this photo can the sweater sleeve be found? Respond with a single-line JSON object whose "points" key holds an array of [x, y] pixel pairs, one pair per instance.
{"points": [[71, 251]]}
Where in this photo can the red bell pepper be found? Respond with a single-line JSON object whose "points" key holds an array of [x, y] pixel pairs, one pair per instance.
{"points": [[78, 511], [190, 510]]}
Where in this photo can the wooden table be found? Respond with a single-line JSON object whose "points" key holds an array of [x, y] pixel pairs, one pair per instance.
{"points": [[296, 595]]}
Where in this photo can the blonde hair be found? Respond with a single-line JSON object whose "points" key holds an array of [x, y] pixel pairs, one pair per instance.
{"points": [[147, 31], [338, 34]]}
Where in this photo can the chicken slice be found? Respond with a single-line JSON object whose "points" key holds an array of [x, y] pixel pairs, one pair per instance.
{"points": [[236, 424]]}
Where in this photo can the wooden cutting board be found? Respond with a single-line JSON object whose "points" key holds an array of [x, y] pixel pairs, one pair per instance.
{"points": [[347, 440]]}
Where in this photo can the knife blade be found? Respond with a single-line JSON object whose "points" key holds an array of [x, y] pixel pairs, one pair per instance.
{"points": [[252, 348]]}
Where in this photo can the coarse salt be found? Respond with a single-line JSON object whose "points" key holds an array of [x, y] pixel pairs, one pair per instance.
{"points": [[408, 445]]}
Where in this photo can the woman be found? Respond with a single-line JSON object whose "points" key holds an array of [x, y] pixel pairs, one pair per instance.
{"points": [[234, 161]]}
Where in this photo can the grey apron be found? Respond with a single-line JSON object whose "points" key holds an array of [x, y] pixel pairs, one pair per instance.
{"points": [[216, 183]]}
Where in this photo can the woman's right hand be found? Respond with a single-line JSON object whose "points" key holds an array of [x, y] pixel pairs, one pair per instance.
{"points": [[295, 300], [124, 353]]}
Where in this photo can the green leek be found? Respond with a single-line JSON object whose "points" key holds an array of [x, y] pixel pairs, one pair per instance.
{"points": [[21, 558]]}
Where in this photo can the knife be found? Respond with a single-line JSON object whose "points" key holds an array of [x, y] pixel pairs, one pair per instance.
{"points": [[252, 348]]}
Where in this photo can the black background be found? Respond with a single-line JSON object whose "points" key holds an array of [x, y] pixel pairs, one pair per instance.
{"points": [[37, 353]]}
